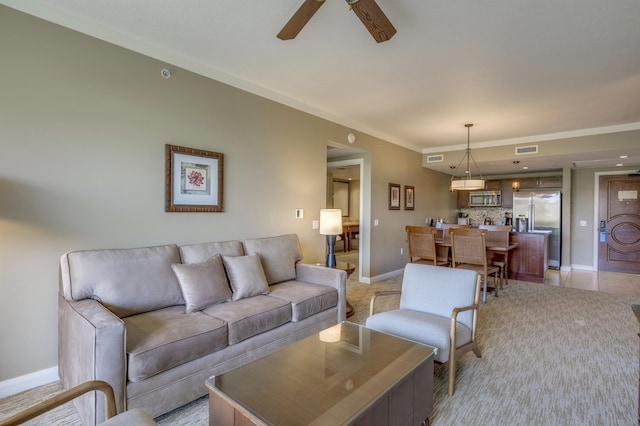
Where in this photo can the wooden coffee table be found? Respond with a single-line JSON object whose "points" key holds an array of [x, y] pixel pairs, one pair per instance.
{"points": [[343, 375]]}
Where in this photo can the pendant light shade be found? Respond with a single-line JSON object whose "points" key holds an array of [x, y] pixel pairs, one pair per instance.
{"points": [[468, 182]]}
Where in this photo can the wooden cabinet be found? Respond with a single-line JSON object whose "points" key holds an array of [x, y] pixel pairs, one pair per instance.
{"points": [[463, 199], [550, 182], [528, 183], [541, 182], [530, 260], [507, 193], [492, 185]]}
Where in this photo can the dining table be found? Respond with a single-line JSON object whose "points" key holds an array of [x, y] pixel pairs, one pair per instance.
{"points": [[349, 231], [444, 244]]}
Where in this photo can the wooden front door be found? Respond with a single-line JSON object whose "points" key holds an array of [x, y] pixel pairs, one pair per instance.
{"points": [[619, 226]]}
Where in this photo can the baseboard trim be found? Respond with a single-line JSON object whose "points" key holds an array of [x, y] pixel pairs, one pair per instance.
{"points": [[385, 276], [583, 267], [28, 381]]}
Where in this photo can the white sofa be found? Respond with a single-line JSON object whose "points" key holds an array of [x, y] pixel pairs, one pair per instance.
{"points": [[156, 322]]}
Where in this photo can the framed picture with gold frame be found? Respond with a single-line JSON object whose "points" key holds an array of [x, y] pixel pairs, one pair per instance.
{"points": [[193, 180]]}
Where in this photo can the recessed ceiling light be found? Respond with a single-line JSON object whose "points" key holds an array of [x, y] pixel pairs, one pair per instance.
{"points": [[624, 156], [619, 164], [525, 168]]}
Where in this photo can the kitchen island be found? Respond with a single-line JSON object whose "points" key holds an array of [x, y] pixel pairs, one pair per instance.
{"points": [[531, 259]]}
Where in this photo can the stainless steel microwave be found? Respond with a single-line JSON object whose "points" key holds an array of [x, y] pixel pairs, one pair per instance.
{"points": [[485, 199]]}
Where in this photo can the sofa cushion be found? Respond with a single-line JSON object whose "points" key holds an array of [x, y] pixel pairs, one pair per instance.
{"points": [[246, 276], [306, 299], [278, 255], [194, 253], [202, 283], [251, 316], [126, 281], [163, 339]]}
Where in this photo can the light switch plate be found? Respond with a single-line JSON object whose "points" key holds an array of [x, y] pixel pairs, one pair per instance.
{"points": [[315, 224], [583, 223], [298, 213]]}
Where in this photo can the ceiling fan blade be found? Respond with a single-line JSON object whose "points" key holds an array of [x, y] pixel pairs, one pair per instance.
{"points": [[299, 19], [373, 19]]}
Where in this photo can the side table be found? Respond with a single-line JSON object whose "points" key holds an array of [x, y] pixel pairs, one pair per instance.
{"points": [[348, 268]]}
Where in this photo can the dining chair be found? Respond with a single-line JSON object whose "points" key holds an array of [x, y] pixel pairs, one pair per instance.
{"points": [[447, 226], [438, 307], [498, 236], [421, 241], [469, 251]]}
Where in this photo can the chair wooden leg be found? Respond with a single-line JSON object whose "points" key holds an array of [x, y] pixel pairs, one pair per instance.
{"points": [[452, 371], [495, 284], [484, 289], [476, 350]]}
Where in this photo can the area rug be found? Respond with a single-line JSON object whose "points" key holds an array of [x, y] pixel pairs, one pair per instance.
{"points": [[550, 356]]}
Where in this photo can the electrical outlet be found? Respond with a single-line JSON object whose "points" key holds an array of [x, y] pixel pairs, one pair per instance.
{"points": [[583, 223], [376, 222], [315, 224]]}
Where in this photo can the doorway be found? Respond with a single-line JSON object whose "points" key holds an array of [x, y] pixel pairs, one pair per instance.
{"points": [[350, 171], [618, 225]]}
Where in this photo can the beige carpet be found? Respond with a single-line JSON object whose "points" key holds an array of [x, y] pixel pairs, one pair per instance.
{"points": [[551, 356]]}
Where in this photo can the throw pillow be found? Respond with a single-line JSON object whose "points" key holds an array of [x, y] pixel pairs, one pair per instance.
{"points": [[203, 283], [246, 276]]}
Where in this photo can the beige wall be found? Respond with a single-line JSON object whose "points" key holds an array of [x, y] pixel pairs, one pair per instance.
{"points": [[84, 125]]}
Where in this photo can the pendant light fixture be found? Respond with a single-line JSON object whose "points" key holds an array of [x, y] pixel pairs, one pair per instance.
{"points": [[466, 183]]}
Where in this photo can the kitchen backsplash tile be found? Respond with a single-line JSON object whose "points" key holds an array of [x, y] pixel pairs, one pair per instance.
{"points": [[477, 215]]}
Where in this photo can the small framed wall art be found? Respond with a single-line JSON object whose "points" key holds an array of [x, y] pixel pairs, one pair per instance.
{"points": [[193, 180], [394, 196], [408, 197]]}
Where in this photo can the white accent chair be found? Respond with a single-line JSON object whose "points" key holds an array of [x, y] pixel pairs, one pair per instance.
{"points": [[438, 307]]}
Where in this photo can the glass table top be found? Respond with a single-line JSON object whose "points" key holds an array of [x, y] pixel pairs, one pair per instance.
{"points": [[328, 378]]}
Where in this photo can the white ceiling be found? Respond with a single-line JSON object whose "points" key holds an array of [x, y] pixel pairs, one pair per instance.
{"points": [[519, 70]]}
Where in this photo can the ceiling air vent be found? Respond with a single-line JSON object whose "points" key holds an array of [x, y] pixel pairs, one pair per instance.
{"points": [[435, 158], [522, 150]]}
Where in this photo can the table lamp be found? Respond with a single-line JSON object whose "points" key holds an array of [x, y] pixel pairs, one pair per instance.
{"points": [[331, 225]]}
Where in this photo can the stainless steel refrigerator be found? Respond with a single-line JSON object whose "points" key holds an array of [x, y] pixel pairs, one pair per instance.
{"points": [[544, 211]]}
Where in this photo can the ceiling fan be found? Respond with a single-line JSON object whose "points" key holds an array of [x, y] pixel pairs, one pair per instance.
{"points": [[368, 11]]}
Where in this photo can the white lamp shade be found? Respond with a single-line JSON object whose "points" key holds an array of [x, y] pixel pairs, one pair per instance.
{"points": [[331, 221], [467, 184]]}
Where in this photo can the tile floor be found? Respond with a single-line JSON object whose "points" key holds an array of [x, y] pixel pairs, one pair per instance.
{"points": [[610, 282]]}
